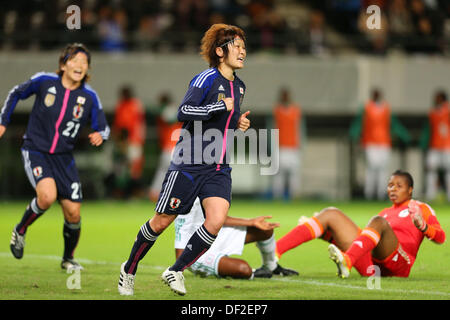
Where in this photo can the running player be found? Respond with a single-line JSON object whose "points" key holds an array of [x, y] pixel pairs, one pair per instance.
{"points": [[64, 104], [231, 239], [390, 240], [211, 105]]}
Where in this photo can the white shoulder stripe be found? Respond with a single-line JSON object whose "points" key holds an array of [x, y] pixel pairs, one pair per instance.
{"points": [[431, 209], [42, 73], [201, 75], [89, 88], [201, 79], [6, 101]]}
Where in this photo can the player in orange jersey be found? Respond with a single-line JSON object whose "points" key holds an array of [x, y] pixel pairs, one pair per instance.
{"points": [[288, 120], [375, 126], [436, 140], [168, 128], [390, 240], [129, 127]]}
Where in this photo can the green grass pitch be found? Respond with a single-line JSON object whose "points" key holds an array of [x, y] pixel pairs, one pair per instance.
{"points": [[109, 229]]}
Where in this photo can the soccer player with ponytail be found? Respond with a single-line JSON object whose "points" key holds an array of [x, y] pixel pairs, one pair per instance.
{"points": [[63, 106]]}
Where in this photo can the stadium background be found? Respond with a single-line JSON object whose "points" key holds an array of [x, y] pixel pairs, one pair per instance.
{"points": [[321, 50]]}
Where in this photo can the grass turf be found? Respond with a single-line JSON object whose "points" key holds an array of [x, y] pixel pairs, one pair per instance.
{"points": [[109, 229]]}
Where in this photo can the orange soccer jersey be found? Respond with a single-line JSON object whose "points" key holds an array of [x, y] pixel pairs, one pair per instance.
{"points": [[168, 137], [287, 120], [408, 235], [440, 127], [130, 116], [376, 124]]}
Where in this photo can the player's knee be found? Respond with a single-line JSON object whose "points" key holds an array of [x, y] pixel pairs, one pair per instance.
{"points": [[245, 271], [73, 217], [158, 224], [377, 222], [329, 210], [328, 213], [46, 199], [213, 226]]}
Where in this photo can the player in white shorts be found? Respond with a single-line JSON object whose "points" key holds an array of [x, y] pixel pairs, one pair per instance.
{"points": [[231, 239]]}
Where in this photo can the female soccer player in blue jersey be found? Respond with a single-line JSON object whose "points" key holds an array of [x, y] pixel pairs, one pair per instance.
{"points": [[210, 106], [64, 103]]}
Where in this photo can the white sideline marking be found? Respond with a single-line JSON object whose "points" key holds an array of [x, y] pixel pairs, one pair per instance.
{"points": [[309, 282]]}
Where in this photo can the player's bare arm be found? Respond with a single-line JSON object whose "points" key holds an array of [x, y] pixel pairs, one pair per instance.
{"points": [[258, 222]]}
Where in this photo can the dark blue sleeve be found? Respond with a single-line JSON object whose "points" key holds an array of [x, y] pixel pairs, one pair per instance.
{"points": [[19, 92], [194, 108], [98, 118]]}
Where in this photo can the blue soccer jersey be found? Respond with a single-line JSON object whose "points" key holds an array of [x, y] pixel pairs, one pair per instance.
{"points": [[206, 121], [58, 114]]}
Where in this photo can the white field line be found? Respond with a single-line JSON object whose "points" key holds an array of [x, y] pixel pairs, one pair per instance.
{"points": [[291, 280]]}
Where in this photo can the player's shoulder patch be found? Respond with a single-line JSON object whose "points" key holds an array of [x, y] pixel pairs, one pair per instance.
{"points": [[204, 78]]}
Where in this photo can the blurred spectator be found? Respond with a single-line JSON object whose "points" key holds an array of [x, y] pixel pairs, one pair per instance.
{"points": [[400, 24], [376, 38], [374, 126], [415, 25], [167, 125], [428, 26], [317, 39], [267, 24], [129, 129], [111, 29], [191, 14], [435, 139], [289, 121], [343, 14], [147, 32]]}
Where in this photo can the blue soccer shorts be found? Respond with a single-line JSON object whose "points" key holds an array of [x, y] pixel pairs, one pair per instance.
{"points": [[59, 167], [181, 188]]}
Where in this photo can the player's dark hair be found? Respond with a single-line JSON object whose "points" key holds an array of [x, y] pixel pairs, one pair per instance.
{"points": [[441, 96], [126, 92], [218, 35], [68, 53], [376, 94], [408, 177]]}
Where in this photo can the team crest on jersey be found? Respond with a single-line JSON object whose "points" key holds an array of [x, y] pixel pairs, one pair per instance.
{"points": [[81, 100], [77, 111], [49, 99], [37, 172], [403, 213], [241, 90], [220, 96], [174, 203]]}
